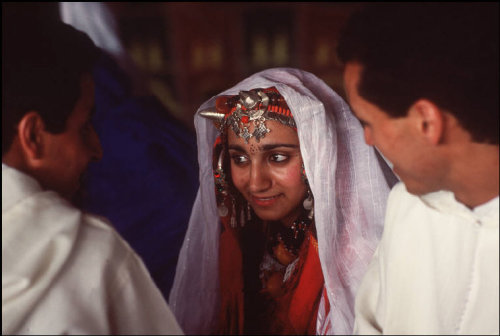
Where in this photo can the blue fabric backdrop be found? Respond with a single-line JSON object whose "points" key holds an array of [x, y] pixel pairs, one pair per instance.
{"points": [[147, 180]]}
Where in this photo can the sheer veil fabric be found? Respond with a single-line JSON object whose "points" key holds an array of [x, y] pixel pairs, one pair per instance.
{"points": [[350, 193]]}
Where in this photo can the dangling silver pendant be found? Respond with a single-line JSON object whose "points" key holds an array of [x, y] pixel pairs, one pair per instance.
{"points": [[311, 214], [222, 210], [308, 203]]}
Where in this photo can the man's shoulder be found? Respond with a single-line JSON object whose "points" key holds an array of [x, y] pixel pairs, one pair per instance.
{"points": [[98, 231], [403, 206], [399, 196], [37, 218], [31, 212]]}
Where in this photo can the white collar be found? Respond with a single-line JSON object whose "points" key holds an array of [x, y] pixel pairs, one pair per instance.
{"points": [[445, 201], [16, 186]]}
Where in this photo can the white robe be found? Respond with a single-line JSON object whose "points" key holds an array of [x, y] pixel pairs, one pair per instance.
{"points": [[435, 270], [67, 272]]}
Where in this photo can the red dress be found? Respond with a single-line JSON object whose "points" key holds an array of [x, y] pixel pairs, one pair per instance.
{"points": [[292, 312]]}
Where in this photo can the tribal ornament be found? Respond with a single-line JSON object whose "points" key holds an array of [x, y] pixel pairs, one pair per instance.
{"points": [[250, 107], [219, 176]]}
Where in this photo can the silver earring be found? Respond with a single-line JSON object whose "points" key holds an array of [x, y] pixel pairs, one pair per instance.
{"points": [[309, 204]]}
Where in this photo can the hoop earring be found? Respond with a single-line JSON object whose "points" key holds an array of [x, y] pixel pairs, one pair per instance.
{"points": [[221, 185]]}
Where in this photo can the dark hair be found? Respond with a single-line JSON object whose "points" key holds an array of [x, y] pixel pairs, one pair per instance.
{"points": [[42, 66], [444, 52]]}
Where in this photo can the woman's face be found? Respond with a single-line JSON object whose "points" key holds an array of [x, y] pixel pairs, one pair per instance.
{"points": [[268, 173]]}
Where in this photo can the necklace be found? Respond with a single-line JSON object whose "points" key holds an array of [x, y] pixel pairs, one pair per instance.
{"points": [[281, 256], [293, 236]]}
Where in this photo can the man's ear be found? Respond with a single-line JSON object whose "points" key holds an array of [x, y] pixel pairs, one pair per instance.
{"points": [[31, 136], [428, 119]]}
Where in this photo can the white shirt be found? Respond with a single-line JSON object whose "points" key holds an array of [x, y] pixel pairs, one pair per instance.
{"points": [[435, 270], [67, 272]]}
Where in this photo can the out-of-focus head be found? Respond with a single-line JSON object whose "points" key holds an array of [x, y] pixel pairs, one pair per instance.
{"points": [[416, 71], [259, 148], [444, 52], [47, 100]]}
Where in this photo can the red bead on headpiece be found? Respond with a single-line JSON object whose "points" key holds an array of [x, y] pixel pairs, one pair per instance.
{"points": [[257, 106]]}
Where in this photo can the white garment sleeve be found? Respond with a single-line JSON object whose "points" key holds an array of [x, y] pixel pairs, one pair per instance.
{"points": [[137, 305], [369, 307], [366, 321]]}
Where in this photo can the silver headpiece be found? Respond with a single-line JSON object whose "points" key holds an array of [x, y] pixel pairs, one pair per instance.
{"points": [[255, 106]]}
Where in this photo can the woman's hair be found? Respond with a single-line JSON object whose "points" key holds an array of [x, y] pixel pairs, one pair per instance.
{"points": [[447, 53]]}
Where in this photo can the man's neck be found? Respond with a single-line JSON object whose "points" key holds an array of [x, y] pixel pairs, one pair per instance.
{"points": [[476, 175]]}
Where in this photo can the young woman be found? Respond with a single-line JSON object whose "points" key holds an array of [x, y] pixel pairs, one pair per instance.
{"points": [[282, 243]]}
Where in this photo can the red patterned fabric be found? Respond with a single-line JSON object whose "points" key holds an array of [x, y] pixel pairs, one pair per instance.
{"points": [[294, 312], [231, 282]]}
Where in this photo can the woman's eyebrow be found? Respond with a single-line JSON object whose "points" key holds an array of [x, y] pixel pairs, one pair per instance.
{"points": [[236, 148], [269, 147], [263, 148]]}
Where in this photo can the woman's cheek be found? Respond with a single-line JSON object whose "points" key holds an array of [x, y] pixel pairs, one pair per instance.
{"points": [[238, 180], [292, 175]]}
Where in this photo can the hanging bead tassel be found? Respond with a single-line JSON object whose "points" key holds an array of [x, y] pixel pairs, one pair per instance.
{"points": [[233, 216], [242, 217], [222, 210], [249, 212]]}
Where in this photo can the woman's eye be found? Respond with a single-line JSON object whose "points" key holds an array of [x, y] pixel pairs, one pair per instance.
{"points": [[279, 157], [239, 159]]}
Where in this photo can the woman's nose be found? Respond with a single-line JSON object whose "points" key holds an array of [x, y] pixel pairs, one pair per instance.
{"points": [[259, 178]]}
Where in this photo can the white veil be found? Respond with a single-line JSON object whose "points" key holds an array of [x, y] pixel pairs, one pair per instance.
{"points": [[350, 194]]}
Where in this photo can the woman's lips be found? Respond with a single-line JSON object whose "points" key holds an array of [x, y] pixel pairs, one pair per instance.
{"points": [[265, 201]]}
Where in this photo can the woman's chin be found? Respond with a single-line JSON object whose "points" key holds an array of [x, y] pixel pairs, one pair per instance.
{"points": [[268, 215]]}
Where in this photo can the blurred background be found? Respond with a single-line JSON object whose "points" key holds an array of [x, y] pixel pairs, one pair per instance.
{"points": [[160, 62], [191, 51]]}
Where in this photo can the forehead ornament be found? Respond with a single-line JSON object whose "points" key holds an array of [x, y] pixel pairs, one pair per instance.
{"points": [[254, 106]]}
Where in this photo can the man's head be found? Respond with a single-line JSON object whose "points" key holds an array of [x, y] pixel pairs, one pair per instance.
{"points": [[413, 73], [47, 101]]}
